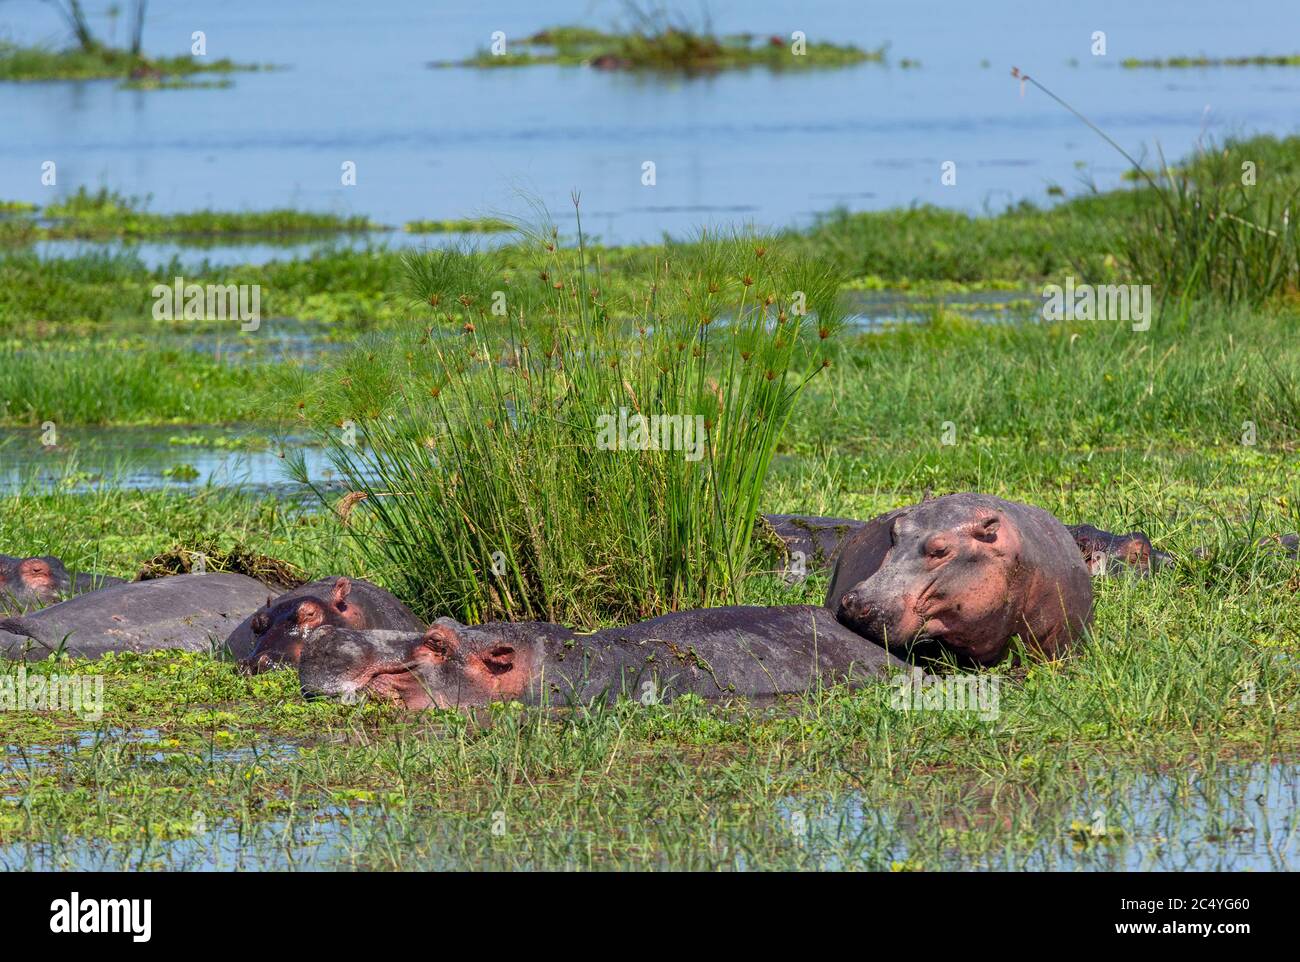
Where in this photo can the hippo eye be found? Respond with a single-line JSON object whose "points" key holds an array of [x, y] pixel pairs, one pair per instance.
{"points": [[259, 624], [937, 551]]}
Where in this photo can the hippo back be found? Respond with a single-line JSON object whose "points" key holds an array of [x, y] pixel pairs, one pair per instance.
{"points": [[190, 612], [714, 653]]}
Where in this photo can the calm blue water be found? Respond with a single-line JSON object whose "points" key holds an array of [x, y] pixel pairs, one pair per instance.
{"points": [[751, 146]]}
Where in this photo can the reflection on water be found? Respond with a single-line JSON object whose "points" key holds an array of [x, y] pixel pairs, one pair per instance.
{"points": [[1243, 816], [195, 253]]}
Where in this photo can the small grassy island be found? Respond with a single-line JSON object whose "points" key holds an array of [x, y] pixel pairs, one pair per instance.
{"points": [[660, 46], [105, 214], [97, 62]]}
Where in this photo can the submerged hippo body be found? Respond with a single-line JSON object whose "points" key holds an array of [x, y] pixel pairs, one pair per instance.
{"points": [[964, 573], [192, 612], [1105, 553], [710, 652], [273, 636], [28, 583]]}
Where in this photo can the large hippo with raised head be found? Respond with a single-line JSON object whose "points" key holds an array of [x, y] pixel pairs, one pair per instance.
{"points": [[710, 652], [273, 636], [965, 574], [194, 612]]}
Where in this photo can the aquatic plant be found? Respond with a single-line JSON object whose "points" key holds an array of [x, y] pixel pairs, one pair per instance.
{"points": [[542, 452]]}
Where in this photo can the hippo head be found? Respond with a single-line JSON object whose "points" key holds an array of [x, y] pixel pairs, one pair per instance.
{"points": [[951, 579], [43, 579], [280, 628], [448, 666]]}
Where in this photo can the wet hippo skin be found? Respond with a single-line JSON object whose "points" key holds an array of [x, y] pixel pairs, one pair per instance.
{"points": [[272, 637]]}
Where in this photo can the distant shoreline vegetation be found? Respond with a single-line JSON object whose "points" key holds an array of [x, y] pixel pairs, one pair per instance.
{"points": [[667, 48], [105, 215], [19, 64], [1289, 60], [469, 225]]}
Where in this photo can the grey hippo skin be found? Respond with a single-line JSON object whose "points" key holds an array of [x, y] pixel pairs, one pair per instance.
{"points": [[963, 574], [1105, 553], [818, 539], [27, 583], [193, 612], [710, 652], [273, 636]]}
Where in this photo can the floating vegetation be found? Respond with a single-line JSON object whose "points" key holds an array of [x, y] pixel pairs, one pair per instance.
{"points": [[1288, 60], [656, 44]]}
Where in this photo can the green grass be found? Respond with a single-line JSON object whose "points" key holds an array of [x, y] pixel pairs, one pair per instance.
{"points": [[28, 64], [656, 43], [471, 225], [106, 382], [1261, 60], [468, 460], [1164, 721], [107, 214]]}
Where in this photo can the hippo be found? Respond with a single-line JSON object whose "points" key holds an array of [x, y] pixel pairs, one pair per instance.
{"points": [[819, 540], [272, 637], [963, 574], [709, 652], [183, 611], [27, 583], [816, 539], [1106, 554], [1285, 544]]}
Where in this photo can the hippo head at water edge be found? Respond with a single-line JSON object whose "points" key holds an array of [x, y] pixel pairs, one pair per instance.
{"points": [[280, 628], [965, 575], [448, 665]]}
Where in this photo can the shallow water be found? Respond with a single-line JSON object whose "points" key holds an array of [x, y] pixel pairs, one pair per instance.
{"points": [[151, 458], [1245, 816], [195, 253], [740, 146]]}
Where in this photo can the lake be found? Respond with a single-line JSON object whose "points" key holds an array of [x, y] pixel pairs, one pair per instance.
{"points": [[748, 146]]}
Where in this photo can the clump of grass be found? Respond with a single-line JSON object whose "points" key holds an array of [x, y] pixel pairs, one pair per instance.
{"points": [[99, 62], [492, 453], [1261, 60], [470, 225], [1211, 229], [209, 556]]}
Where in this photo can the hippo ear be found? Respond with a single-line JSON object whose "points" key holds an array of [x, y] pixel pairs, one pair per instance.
{"points": [[499, 659], [340, 594], [986, 529], [441, 639]]}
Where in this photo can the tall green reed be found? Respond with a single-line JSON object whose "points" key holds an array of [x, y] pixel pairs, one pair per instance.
{"points": [[1218, 227], [512, 463]]}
